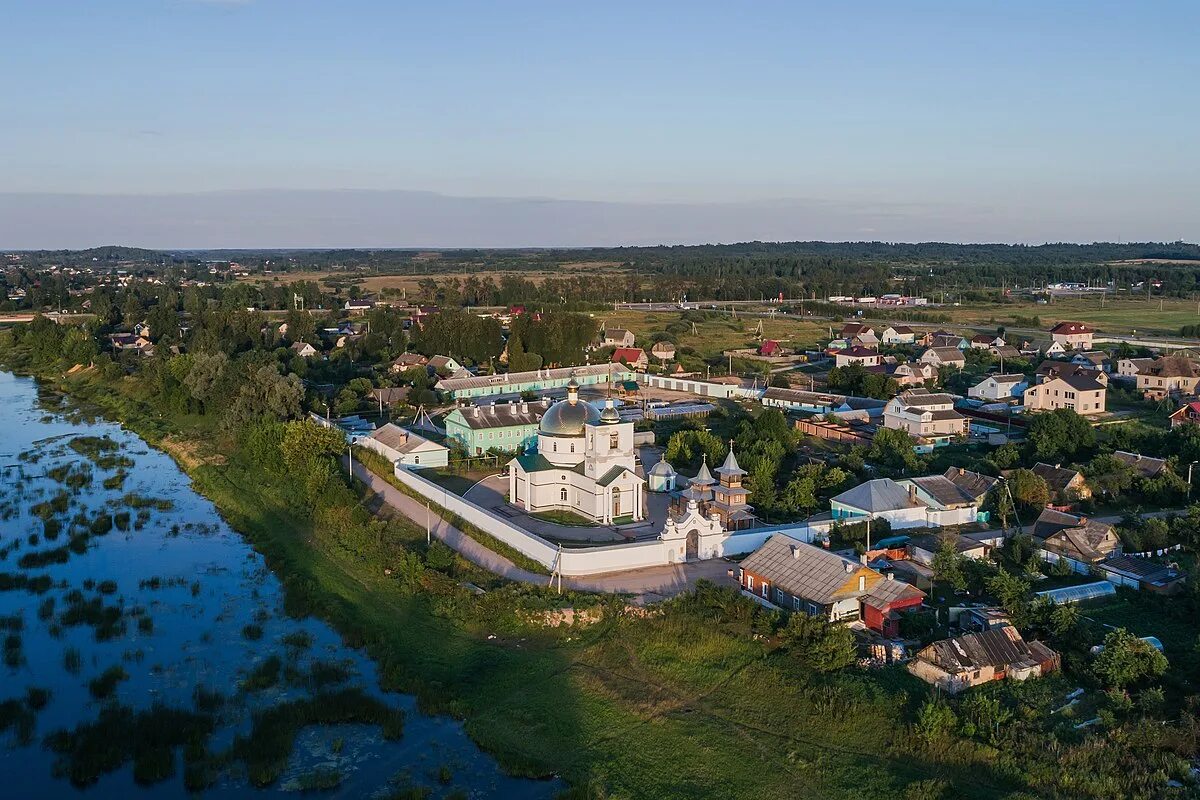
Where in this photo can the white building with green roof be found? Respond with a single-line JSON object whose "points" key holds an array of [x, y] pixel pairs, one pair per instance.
{"points": [[585, 463]]}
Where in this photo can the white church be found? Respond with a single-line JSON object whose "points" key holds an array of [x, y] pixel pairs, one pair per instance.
{"points": [[585, 463]]}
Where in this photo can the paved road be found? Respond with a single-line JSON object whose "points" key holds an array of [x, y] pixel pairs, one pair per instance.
{"points": [[647, 585]]}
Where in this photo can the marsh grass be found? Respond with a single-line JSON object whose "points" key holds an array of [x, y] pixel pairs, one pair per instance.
{"points": [[264, 676], [266, 748], [104, 685], [120, 735]]}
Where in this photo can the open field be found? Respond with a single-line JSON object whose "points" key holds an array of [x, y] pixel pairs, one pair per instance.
{"points": [[719, 333], [1121, 315]]}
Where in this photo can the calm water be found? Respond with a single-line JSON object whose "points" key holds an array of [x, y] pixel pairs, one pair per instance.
{"points": [[210, 586]]}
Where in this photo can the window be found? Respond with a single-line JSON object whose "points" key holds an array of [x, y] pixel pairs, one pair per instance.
{"points": [[416, 459], [613, 442], [795, 603], [572, 447], [750, 582], [555, 447], [562, 495]]}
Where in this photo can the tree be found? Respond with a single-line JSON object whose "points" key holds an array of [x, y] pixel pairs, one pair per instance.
{"points": [[1059, 434], [1029, 490], [948, 565], [267, 394], [1013, 594], [820, 644], [892, 449], [1127, 660], [1109, 475]]}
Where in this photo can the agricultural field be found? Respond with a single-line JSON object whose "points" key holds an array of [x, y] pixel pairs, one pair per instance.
{"points": [[716, 333], [1121, 315]]}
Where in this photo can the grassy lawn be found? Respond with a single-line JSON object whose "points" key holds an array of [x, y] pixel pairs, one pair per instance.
{"points": [[457, 482], [564, 518]]}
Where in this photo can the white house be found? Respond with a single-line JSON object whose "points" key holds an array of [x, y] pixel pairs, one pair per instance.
{"points": [[999, 387], [985, 341], [944, 357], [618, 337], [585, 463], [405, 448], [304, 349], [857, 355], [925, 416], [898, 334]]}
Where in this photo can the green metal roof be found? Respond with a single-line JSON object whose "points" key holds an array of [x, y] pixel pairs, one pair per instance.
{"points": [[535, 462]]}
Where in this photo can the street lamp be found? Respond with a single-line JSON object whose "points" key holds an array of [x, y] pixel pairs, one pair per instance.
{"points": [[1189, 481]]}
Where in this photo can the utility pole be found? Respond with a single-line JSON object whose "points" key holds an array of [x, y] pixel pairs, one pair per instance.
{"points": [[428, 525]]}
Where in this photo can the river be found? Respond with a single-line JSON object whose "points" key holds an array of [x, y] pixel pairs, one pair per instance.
{"points": [[166, 600]]}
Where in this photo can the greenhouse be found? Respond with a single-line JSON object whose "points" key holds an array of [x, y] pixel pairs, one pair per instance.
{"points": [[1077, 594]]}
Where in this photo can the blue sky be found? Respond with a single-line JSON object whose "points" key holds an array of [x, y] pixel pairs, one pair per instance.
{"points": [[1009, 121]]}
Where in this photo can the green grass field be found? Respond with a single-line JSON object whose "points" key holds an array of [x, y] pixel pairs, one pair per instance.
{"points": [[713, 336], [1124, 315]]}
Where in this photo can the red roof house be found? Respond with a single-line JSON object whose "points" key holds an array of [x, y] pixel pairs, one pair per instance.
{"points": [[634, 356]]}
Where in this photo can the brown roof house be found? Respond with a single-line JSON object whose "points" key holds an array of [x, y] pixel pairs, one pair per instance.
{"points": [[1066, 485], [405, 448], [1169, 376], [799, 577], [974, 658], [1080, 542], [1146, 466]]}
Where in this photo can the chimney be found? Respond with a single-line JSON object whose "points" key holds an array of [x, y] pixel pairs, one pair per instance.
{"points": [[863, 559], [849, 567], [912, 492], [524, 408], [891, 576], [795, 552]]}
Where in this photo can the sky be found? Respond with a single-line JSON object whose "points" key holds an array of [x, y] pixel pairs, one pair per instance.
{"points": [[254, 123]]}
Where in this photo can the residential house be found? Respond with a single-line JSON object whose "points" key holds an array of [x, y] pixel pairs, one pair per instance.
{"points": [[860, 334], [390, 396], [404, 448], [1051, 368], [1073, 335], [663, 351], [923, 549], [444, 365], [1145, 466], [913, 374], [953, 665], [1095, 360], [1066, 485], [406, 361], [1141, 574], [947, 339], [898, 334], [303, 349], [999, 387], [1048, 347], [882, 498], [972, 484], [1169, 376], [359, 306], [770, 349], [1130, 367], [857, 355], [633, 356], [1081, 393], [507, 427], [792, 575], [947, 503], [1079, 542], [1004, 351], [944, 357], [986, 341], [131, 341], [926, 416], [618, 337], [1186, 415]]}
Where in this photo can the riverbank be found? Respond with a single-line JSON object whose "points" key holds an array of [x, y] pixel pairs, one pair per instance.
{"points": [[683, 704]]}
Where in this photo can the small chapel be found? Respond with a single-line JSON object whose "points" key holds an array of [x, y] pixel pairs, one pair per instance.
{"points": [[585, 463]]}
